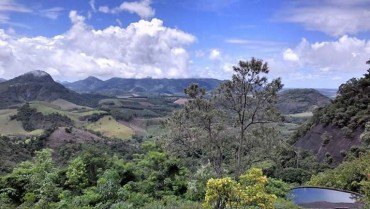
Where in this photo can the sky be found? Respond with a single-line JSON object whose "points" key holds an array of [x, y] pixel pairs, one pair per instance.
{"points": [[308, 43]]}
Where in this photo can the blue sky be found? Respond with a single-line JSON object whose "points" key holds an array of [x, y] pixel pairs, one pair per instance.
{"points": [[308, 43]]}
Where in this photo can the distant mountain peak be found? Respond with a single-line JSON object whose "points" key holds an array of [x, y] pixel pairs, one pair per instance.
{"points": [[38, 73], [37, 76], [92, 78], [39, 86]]}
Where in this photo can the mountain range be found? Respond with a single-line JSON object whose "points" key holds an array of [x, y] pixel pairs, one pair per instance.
{"points": [[122, 86], [39, 85]]}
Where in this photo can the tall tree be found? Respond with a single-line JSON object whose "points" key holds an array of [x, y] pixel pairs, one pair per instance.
{"points": [[199, 130], [249, 98]]}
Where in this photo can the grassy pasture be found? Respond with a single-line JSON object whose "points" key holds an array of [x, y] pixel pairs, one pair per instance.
{"points": [[109, 127], [13, 127], [302, 115], [66, 105], [48, 108]]}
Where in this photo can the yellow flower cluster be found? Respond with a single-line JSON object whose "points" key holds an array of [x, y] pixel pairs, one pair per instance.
{"points": [[249, 191]]}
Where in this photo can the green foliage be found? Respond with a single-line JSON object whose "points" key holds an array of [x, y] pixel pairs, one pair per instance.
{"points": [[350, 109], [33, 183], [233, 120], [365, 136], [32, 120], [293, 166], [350, 175], [94, 179], [197, 184], [108, 184], [249, 192], [76, 174], [277, 187], [249, 100], [199, 131]]}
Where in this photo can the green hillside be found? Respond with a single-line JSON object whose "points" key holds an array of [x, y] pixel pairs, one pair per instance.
{"points": [[340, 124], [40, 86], [109, 127]]}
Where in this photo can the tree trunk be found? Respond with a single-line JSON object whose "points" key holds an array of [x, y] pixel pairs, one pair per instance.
{"points": [[239, 154]]}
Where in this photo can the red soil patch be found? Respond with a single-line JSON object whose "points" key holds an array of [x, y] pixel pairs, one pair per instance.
{"points": [[60, 136]]}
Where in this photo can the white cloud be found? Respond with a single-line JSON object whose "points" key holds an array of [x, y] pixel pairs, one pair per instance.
{"points": [[141, 8], [92, 5], [289, 55], [8, 6], [227, 67], [52, 13], [334, 55], [119, 22], [11, 6], [252, 42], [215, 54], [75, 18], [104, 9], [325, 64], [144, 48], [265, 46], [333, 17]]}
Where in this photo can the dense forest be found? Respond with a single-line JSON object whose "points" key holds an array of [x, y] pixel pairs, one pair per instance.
{"points": [[221, 150]]}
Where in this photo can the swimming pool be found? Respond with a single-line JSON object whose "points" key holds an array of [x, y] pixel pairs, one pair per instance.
{"points": [[318, 197]]}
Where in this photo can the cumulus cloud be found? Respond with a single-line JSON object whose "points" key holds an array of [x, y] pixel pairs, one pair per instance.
{"points": [[322, 64], [347, 54], [333, 17], [144, 48], [215, 54], [141, 8], [289, 55]]}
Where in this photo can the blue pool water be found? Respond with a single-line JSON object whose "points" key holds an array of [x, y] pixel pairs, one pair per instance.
{"points": [[305, 195]]}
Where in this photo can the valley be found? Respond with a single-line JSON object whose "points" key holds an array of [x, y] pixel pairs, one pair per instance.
{"points": [[133, 124], [194, 104]]}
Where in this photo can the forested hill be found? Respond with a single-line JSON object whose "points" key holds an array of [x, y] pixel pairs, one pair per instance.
{"points": [[294, 101], [39, 85], [337, 127], [117, 86]]}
